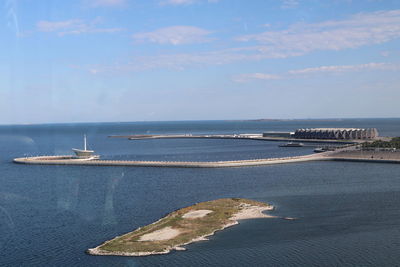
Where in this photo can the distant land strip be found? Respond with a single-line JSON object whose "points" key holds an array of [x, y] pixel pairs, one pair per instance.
{"points": [[254, 137]]}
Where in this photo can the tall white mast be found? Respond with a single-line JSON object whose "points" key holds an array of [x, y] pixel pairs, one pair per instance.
{"points": [[84, 141]]}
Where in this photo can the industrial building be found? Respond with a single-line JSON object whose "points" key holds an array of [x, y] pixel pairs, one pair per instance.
{"points": [[336, 133]]}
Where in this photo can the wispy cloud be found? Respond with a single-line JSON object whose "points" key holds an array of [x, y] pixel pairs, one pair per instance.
{"points": [[299, 39], [358, 30], [175, 35], [288, 4], [105, 3], [256, 76], [318, 70], [221, 57], [346, 68], [390, 53], [185, 60], [181, 61], [184, 2], [73, 26]]}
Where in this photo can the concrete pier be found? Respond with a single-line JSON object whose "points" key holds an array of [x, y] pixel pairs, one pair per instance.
{"points": [[255, 137], [377, 156], [69, 160], [344, 154]]}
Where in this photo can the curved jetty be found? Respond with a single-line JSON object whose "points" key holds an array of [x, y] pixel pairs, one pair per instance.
{"points": [[345, 153], [183, 227], [70, 160]]}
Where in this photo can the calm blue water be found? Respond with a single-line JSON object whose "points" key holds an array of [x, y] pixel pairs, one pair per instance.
{"points": [[348, 213]]}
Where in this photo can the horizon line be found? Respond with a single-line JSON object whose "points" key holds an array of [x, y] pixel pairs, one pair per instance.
{"points": [[200, 120]]}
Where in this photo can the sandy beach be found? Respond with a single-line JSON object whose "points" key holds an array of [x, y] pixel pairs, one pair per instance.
{"points": [[196, 214], [162, 234]]}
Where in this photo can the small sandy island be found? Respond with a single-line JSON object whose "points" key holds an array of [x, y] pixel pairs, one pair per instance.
{"points": [[183, 227]]}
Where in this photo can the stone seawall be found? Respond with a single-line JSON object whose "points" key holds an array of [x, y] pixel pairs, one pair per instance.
{"points": [[378, 156], [353, 159], [237, 137], [68, 160], [342, 155]]}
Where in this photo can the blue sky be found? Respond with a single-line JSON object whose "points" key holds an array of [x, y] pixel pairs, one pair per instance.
{"points": [[154, 60]]}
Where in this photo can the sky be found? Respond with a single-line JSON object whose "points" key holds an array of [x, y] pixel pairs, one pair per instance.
{"points": [[166, 60]]}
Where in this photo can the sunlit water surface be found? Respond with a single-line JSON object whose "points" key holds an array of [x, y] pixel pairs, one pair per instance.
{"points": [[348, 213]]}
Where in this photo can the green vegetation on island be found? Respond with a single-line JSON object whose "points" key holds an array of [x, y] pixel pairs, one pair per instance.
{"points": [[182, 227], [393, 143]]}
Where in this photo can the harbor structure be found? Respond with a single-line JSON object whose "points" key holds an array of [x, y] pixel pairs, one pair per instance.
{"points": [[84, 153], [70, 160], [336, 133], [278, 134]]}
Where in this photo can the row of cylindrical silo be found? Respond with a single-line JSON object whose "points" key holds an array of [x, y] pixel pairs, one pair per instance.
{"points": [[336, 133]]}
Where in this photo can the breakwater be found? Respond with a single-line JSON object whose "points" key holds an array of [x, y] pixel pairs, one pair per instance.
{"points": [[255, 137], [70, 160], [345, 154], [377, 156]]}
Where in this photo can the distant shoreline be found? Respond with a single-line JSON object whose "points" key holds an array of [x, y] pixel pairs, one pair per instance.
{"points": [[180, 121]]}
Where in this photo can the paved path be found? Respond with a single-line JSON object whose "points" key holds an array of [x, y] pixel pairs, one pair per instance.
{"points": [[344, 154], [69, 160], [255, 137]]}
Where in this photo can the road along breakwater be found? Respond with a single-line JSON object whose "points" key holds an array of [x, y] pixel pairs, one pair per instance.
{"points": [[361, 155], [344, 154], [70, 160], [254, 137]]}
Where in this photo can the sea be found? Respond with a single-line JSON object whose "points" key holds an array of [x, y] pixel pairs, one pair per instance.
{"points": [[347, 213]]}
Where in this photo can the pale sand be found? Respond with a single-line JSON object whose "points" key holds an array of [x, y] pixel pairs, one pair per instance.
{"points": [[162, 234], [196, 214], [252, 212]]}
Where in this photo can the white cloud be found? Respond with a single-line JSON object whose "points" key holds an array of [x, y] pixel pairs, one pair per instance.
{"points": [[346, 68], [358, 30], [184, 2], [287, 4], [175, 35], [51, 26], [318, 70], [105, 3], [178, 2], [256, 76], [73, 26], [183, 60], [299, 39]]}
